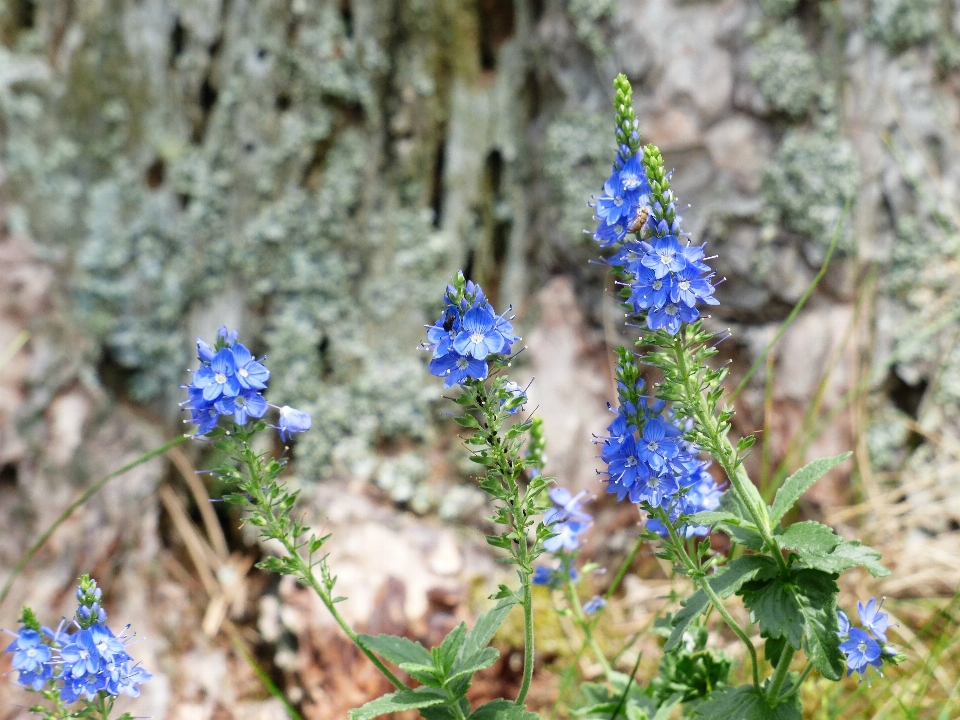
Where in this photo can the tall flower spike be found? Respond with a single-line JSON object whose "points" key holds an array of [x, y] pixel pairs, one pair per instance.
{"points": [[628, 128]]}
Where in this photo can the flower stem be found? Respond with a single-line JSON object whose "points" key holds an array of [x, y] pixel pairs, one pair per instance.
{"points": [[528, 649], [783, 667], [701, 580], [587, 628], [305, 571]]}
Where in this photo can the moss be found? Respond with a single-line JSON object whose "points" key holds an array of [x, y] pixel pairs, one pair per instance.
{"points": [[813, 177], [587, 17], [778, 8], [901, 23], [785, 71], [578, 152]]}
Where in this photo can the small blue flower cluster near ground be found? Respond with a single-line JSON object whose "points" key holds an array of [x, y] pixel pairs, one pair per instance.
{"points": [[80, 664], [862, 647], [466, 335], [228, 383], [569, 522], [648, 461], [667, 278]]}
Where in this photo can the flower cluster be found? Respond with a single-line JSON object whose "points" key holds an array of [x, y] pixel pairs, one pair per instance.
{"points": [[228, 383], [569, 522], [862, 647], [649, 461], [81, 664], [637, 217], [466, 335]]}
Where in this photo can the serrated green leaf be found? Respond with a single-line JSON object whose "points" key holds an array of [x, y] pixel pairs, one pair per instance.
{"points": [[486, 626], [467, 421], [445, 655], [809, 537], [797, 484], [398, 650], [725, 584], [478, 661], [745, 703], [502, 710], [397, 702], [802, 609], [845, 556]]}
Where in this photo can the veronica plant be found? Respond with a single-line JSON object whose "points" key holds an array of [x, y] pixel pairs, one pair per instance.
{"points": [[79, 668], [785, 575]]}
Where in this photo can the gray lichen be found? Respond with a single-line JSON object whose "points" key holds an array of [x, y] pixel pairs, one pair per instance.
{"points": [[813, 178], [778, 8], [578, 152], [900, 23], [785, 71]]}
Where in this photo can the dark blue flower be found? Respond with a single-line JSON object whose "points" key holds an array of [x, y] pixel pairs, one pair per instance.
{"points": [[689, 288], [80, 656], [633, 178], [608, 234], [556, 576], [649, 291], [85, 685], [658, 445], [612, 206], [292, 421]]}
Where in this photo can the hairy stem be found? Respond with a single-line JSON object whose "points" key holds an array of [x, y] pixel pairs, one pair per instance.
{"points": [[783, 668], [700, 579], [528, 649], [305, 572]]}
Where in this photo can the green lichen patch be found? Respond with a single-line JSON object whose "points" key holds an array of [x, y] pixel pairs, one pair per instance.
{"points": [[813, 177], [785, 71], [901, 23]]}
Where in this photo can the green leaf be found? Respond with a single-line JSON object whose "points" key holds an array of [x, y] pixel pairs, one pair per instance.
{"points": [[398, 650], [428, 675], [743, 532], [746, 703], [845, 556], [809, 538], [801, 609], [478, 661], [725, 584], [397, 702], [711, 517], [444, 656], [502, 710], [486, 627], [797, 484]]}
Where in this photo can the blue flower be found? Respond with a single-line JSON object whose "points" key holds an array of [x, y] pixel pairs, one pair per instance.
{"points": [[567, 536], [219, 377], [658, 444], [633, 178], [455, 368], [106, 643], [608, 234], [671, 317], [843, 623], [251, 374], [80, 656], [556, 576], [872, 619], [649, 291], [517, 399], [85, 685], [594, 604], [292, 421], [247, 404], [568, 507], [29, 651], [613, 205], [690, 288], [862, 651], [479, 335]]}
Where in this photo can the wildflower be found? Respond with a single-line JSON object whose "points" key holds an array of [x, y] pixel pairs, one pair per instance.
{"points": [[29, 652], [671, 317], [567, 536], [861, 651], [80, 656], [247, 404], [665, 256], [517, 396], [456, 369], [292, 421], [85, 685], [612, 205], [555, 576], [569, 507], [251, 374], [872, 619], [219, 377], [594, 604]]}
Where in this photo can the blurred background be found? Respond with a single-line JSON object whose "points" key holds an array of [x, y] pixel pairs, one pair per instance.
{"points": [[312, 172]]}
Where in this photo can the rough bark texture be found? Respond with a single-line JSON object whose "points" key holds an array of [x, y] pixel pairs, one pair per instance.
{"points": [[312, 172]]}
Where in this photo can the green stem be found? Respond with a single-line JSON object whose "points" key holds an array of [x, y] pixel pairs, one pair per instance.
{"points": [[700, 579], [89, 493], [617, 579], [305, 572], [585, 625], [783, 668], [528, 649], [803, 675], [725, 454]]}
